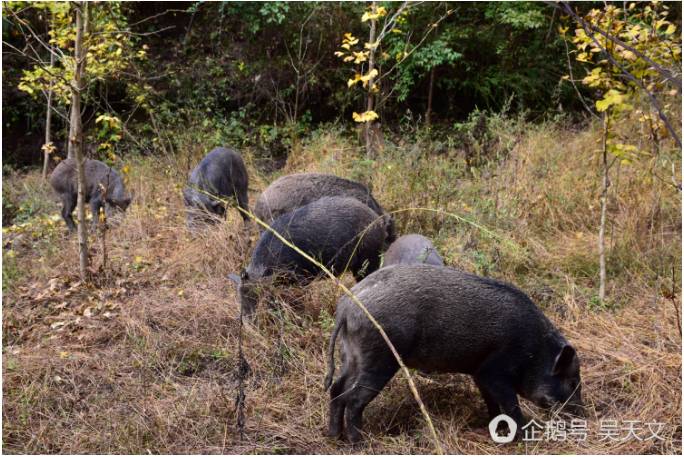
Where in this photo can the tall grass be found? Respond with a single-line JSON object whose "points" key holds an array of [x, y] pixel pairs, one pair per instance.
{"points": [[148, 361]]}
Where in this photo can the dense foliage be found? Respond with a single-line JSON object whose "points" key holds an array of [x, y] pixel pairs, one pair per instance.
{"points": [[262, 73]]}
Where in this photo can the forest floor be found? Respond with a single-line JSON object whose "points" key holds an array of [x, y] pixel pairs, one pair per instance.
{"points": [[144, 359]]}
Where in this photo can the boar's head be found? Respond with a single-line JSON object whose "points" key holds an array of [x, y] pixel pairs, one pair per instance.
{"points": [[556, 381]]}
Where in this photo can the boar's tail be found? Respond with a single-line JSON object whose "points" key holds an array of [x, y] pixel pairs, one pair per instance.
{"points": [[331, 355]]}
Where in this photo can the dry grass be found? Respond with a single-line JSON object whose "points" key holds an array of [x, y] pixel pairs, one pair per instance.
{"points": [[146, 360]]}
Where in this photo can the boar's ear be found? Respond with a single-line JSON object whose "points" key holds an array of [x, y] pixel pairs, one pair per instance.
{"points": [[566, 361], [235, 278]]}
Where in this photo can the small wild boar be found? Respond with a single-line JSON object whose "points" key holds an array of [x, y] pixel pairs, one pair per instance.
{"points": [[293, 191], [412, 248], [341, 233], [445, 320], [104, 187], [221, 173]]}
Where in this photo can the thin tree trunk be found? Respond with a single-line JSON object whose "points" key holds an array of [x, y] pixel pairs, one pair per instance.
{"points": [[604, 204], [76, 135], [428, 111], [48, 124], [370, 150], [71, 145]]}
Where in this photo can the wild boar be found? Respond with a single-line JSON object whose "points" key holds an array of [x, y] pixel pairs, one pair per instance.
{"points": [[444, 320], [104, 187], [221, 173], [410, 249], [293, 191], [340, 232]]}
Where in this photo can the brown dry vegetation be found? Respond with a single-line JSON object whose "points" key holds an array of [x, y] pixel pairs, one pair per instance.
{"points": [[145, 359]]}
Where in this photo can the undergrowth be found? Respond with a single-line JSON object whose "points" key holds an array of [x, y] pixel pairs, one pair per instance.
{"points": [[145, 359]]}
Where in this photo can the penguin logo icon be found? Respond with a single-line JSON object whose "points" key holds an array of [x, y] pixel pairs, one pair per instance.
{"points": [[512, 428]]}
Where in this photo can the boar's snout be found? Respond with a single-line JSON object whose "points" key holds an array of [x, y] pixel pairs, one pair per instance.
{"points": [[576, 409], [125, 203], [574, 404], [120, 204]]}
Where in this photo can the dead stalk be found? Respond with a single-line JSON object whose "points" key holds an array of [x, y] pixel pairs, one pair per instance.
{"points": [[604, 204]]}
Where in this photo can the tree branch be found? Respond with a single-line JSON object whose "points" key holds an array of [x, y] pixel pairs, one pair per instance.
{"points": [[407, 55], [572, 80], [667, 74], [627, 75]]}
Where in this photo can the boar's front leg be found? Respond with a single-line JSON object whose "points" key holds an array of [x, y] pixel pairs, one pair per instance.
{"points": [[499, 394], [492, 406], [242, 200], [95, 205]]}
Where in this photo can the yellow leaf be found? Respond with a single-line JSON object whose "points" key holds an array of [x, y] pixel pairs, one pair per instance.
{"points": [[359, 57], [365, 117], [583, 57], [63, 355], [629, 55], [612, 98], [351, 82], [349, 39], [372, 74], [369, 15], [49, 148], [348, 59]]}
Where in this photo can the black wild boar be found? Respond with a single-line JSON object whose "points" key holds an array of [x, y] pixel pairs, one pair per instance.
{"points": [[410, 249], [293, 191], [104, 187], [341, 233], [444, 320], [221, 173]]}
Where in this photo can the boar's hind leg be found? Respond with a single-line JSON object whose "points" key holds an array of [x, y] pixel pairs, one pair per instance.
{"points": [[338, 400], [366, 387], [68, 205]]}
